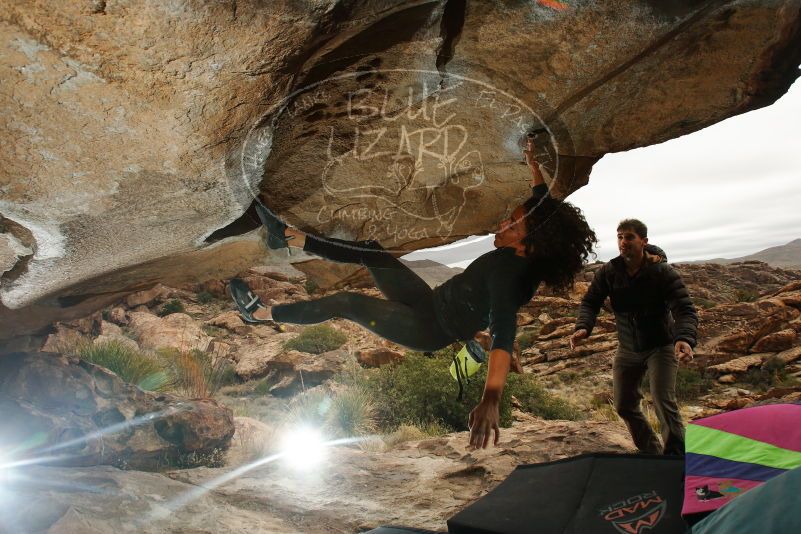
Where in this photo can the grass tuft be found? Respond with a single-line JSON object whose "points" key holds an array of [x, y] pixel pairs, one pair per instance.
{"points": [[204, 297], [353, 413], [171, 306], [197, 375], [130, 365], [317, 339]]}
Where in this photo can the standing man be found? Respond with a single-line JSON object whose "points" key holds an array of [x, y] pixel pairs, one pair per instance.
{"points": [[656, 327]]}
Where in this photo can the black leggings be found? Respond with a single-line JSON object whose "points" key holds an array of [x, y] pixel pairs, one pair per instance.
{"points": [[408, 318]]}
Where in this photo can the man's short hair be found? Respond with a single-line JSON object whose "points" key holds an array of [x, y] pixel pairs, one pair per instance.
{"points": [[636, 225]]}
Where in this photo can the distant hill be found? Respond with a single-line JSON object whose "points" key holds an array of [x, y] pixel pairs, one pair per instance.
{"points": [[786, 256], [432, 272]]}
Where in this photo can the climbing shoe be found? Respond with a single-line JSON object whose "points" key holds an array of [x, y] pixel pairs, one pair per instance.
{"points": [[246, 302], [276, 228]]}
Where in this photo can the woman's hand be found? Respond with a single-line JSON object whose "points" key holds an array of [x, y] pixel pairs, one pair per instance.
{"points": [[532, 163], [483, 422], [531, 159]]}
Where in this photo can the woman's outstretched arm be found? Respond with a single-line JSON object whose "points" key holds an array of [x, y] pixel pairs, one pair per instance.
{"points": [[485, 418], [531, 160]]}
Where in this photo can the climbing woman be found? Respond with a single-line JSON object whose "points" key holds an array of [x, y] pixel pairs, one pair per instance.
{"points": [[544, 240]]}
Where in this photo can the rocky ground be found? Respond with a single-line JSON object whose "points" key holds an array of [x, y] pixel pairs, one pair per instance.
{"points": [[749, 351]]}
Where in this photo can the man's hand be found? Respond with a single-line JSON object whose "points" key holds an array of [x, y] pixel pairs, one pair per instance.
{"points": [[483, 421], [684, 352], [578, 338]]}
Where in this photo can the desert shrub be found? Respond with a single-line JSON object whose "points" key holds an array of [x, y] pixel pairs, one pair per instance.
{"points": [[213, 331], [650, 415], [534, 399], [568, 377], [310, 286], [311, 408], [346, 413], [703, 303], [403, 434], [352, 413], [226, 375], [171, 306], [772, 372], [527, 338], [204, 297], [196, 374], [317, 339], [746, 295], [420, 391], [129, 364], [414, 432], [263, 386], [605, 412], [691, 384]]}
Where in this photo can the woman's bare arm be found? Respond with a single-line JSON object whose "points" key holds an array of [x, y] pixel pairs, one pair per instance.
{"points": [[484, 420]]}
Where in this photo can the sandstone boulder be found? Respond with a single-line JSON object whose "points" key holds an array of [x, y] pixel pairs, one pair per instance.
{"points": [[230, 320], [775, 342], [176, 331], [790, 355], [62, 339], [116, 338], [149, 296], [118, 315], [84, 415], [378, 357], [739, 365], [252, 358], [113, 107], [291, 371]]}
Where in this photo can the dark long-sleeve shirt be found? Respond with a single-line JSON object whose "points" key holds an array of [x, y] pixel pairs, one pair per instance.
{"points": [[488, 294], [651, 308]]}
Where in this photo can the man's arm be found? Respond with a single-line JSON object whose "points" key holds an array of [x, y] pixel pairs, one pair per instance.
{"points": [[684, 314], [589, 307], [592, 301]]}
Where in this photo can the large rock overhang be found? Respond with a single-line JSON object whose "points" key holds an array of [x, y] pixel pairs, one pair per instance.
{"points": [[138, 134]]}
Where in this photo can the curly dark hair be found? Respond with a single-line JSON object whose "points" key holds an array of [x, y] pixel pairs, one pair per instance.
{"points": [[558, 240]]}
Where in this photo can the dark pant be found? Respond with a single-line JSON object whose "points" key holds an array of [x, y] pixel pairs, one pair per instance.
{"points": [[628, 370], [407, 318]]}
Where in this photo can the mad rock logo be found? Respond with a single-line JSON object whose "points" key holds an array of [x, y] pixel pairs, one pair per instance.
{"points": [[637, 514], [393, 155]]}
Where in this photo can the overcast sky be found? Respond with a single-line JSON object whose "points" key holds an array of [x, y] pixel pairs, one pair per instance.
{"points": [[728, 190]]}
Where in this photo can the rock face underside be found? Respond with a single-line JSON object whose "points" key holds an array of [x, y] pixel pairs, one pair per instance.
{"points": [[136, 135]]}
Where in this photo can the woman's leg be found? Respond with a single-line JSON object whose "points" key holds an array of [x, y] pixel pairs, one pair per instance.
{"points": [[414, 328], [392, 277]]}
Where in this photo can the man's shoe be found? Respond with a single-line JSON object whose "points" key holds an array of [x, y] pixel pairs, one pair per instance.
{"points": [[276, 228]]}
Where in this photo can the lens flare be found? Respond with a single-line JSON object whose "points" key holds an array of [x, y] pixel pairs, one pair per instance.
{"points": [[303, 448]]}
